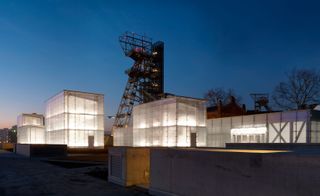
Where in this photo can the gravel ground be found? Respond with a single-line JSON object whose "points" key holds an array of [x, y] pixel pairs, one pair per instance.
{"points": [[23, 176]]}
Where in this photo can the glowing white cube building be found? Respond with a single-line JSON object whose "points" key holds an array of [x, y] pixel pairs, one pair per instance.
{"points": [[123, 136], [174, 121], [76, 119], [297, 126], [30, 129]]}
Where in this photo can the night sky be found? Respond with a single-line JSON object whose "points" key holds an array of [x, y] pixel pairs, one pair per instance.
{"points": [[47, 46]]}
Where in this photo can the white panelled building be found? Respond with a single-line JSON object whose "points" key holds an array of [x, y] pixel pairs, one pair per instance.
{"points": [[76, 119], [30, 129], [181, 122], [123, 136], [297, 126], [170, 122]]}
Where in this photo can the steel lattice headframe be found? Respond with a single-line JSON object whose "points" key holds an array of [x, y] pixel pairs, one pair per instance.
{"points": [[145, 82]]}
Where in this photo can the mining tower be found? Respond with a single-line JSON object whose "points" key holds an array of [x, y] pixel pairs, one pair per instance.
{"points": [[145, 77]]}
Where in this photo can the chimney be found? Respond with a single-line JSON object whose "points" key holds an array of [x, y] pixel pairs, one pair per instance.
{"points": [[219, 108], [244, 109]]}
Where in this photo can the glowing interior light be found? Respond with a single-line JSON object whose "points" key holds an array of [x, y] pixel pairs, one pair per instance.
{"points": [[143, 125], [170, 122], [30, 129], [249, 131], [76, 119], [167, 122], [187, 121], [156, 124]]}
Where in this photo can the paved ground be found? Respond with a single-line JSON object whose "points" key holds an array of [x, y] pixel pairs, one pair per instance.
{"points": [[24, 176]]}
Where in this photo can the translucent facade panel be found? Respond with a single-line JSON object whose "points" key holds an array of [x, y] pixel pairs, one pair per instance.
{"points": [[183, 136], [274, 128], [57, 137], [303, 115], [98, 138], [315, 131], [216, 126], [260, 119], [83, 121], [274, 117], [31, 135], [290, 127], [201, 136], [289, 116], [55, 105], [300, 132], [78, 104], [30, 119], [30, 129], [157, 135], [167, 122], [118, 137], [209, 126], [248, 120], [187, 114], [171, 136], [226, 129], [123, 136], [237, 121], [285, 131], [169, 114], [274, 122], [219, 133], [80, 138], [215, 133], [56, 122], [201, 114], [72, 117]]}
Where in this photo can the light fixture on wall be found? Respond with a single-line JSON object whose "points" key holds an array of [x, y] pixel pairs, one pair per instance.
{"points": [[249, 131]]}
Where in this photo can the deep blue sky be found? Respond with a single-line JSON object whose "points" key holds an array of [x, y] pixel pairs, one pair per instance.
{"points": [[47, 46]]}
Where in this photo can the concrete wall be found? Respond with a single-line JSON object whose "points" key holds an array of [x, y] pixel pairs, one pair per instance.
{"points": [[108, 141], [23, 149], [207, 172], [41, 150], [129, 166], [286, 146], [7, 146]]}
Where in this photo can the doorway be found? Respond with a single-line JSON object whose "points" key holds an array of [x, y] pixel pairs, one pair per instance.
{"points": [[91, 141], [193, 140]]}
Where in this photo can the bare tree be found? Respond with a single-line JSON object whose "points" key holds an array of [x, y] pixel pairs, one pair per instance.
{"points": [[301, 89], [219, 94]]}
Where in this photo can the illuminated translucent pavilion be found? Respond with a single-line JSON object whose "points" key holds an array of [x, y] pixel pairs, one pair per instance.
{"points": [[297, 126], [30, 129], [76, 119], [173, 121]]}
